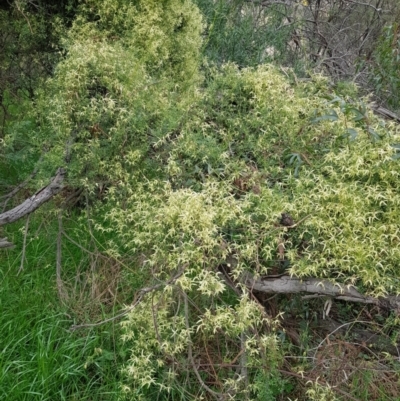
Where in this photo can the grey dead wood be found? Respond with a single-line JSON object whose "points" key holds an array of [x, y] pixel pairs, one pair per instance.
{"points": [[386, 113], [4, 243], [32, 203], [317, 287]]}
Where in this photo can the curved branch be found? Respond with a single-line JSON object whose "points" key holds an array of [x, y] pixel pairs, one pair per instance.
{"points": [[30, 204], [35, 201]]}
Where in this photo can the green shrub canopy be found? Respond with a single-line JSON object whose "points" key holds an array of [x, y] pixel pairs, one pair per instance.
{"points": [[198, 166]]}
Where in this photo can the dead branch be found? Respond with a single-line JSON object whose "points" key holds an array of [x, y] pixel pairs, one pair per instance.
{"points": [[244, 373], [60, 285], [35, 201], [359, 3], [386, 113], [320, 287], [4, 243], [21, 267]]}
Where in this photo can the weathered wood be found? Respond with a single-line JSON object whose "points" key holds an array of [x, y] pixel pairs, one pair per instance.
{"points": [[4, 243], [35, 201], [291, 285], [386, 113]]}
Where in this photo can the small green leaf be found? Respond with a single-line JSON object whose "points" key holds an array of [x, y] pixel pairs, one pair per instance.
{"points": [[375, 136], [358, 115], [396, 156], [350, 134], [331, 116]]}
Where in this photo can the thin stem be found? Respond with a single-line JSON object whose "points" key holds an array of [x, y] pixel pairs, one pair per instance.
{"points": [[21, 267]]}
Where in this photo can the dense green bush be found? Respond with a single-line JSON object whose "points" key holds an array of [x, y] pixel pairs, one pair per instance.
{"points": [[246, 33], [187, 169]]}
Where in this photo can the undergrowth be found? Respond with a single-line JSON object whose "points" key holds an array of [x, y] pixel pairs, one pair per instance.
{"points": [[41, 359]]}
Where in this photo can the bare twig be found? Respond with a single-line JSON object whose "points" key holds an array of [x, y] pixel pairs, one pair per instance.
{"points": [[60, 285], [78, 245], [334, 331], [27, 20], [155, 322], [386, 113], [243, 360], [359, 3], [21, 267]]}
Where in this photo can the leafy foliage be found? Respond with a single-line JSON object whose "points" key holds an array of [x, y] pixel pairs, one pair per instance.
{"points": [[385, 65], [107, 93], [244, 33], [188, 170], [229, 181]]}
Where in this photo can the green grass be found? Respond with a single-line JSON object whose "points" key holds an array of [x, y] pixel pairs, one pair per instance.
{"points": [[40, 359]]}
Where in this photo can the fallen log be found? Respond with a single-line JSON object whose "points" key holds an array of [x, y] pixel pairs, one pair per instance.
{"points": [[316, 287], [31, 204]]}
